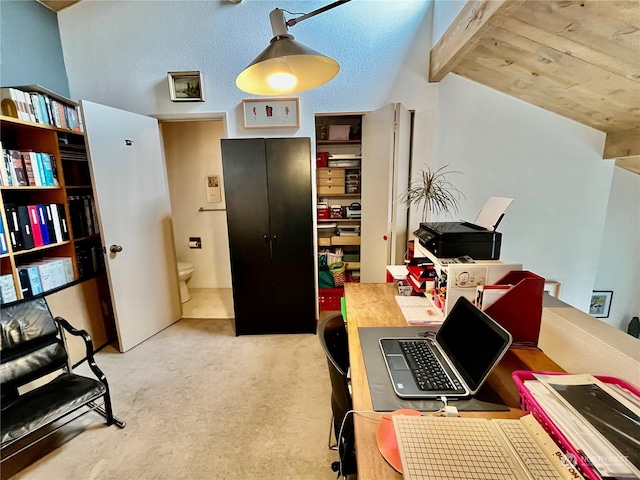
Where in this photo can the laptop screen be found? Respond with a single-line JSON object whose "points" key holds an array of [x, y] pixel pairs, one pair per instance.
{"points": [[473, 341]]}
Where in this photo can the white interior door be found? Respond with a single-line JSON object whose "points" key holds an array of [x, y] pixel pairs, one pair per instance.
{"points": [[385, 173], [132, 195]]}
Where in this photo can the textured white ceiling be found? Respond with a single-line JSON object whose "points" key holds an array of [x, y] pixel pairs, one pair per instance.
{"points": [[118, 53]]}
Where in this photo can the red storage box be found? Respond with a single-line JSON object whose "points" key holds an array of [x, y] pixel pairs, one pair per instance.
{"points": [[322, 159], [329, 298], [529, 405], [323, 212]]}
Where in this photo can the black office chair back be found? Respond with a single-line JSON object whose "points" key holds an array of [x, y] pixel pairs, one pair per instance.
{"points": [[332, 332]]}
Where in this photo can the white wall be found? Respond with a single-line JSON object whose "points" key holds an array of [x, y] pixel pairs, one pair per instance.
{"points": [[552, 168], [118, 53], [619, 259]]}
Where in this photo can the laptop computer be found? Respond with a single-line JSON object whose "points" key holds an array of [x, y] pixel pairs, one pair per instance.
{"points": [[468, 345]]}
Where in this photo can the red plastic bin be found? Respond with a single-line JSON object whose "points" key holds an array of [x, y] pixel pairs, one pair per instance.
{"points": [[323, 213], [329, 298], [529, 405]]}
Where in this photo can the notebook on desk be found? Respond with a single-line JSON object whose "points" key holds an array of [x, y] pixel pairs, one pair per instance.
{"points": [[454, 363]]}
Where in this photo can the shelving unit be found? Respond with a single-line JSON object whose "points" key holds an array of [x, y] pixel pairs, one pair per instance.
{"points": [[347, 181], [77, 215]]}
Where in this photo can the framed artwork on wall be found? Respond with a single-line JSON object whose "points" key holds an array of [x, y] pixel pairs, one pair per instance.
{"points": [[271, 113], [186, 86], [600, 304]]}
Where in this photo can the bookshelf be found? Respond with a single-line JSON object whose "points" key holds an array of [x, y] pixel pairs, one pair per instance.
{"points": [[62, 243]]}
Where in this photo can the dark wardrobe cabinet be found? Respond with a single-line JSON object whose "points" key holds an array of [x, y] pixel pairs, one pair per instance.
{"points": [[268, 193]]}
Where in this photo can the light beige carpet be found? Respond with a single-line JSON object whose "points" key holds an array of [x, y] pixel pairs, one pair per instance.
{"points": [[200, 403]]}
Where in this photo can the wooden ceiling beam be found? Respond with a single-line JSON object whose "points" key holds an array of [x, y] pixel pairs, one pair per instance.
{"points": [[57, 5], [622, 144], [629, 163], [465, 33]]}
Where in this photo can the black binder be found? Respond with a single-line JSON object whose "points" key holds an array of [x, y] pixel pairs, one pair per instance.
{"points": [[25, 227], [25, 283], [13, 228], [64, 228]]}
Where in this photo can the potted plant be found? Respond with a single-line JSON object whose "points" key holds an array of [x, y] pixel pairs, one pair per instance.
{"points": [[433, 192]]}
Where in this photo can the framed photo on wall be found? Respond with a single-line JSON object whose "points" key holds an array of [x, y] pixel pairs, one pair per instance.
{"points": [[271, 113], [186, 86], [600, 304]]}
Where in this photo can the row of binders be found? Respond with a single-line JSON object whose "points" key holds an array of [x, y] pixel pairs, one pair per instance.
{"points": [[23, 168], [83, 215], [37, 277], [31, 226], [38, 107]]}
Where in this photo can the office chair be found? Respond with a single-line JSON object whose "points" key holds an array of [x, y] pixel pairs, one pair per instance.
{"points": [[332, 332]]}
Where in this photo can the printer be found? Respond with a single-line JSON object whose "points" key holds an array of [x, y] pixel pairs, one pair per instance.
{"points": [[478, 240], [458, 239]]}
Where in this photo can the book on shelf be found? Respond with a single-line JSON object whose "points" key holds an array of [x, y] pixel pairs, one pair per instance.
{"points": [[35, 103], [36, 165], [17, 169], [32, 276], [58, 274], [18, 107], [39, 105], [13, 227], [4, 170], [28, 168], [4, 247], [40, 166], [24, 220], [48, 222], [25, 283], [46, 275], [64, 228], [53, 212], [47, 164], [42, 224], [36, 232], [46, 117], [82, 215], [89, 259], [64, 267], [7, 289]]}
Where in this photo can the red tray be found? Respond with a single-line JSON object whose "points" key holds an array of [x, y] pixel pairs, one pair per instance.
{"points": [[529, 404]]}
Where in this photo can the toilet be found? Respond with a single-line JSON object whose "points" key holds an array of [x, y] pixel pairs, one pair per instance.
{"points": [[184, 274]]}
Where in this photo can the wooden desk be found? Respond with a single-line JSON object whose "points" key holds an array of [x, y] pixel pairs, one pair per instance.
{"points": [[374, 305]]}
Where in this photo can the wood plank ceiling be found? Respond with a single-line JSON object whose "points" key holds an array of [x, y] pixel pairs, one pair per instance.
{"points": [[57, 5], [579, 59]]}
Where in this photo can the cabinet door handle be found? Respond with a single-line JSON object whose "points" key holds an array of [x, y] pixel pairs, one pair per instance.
{"points": [[115, 248]]}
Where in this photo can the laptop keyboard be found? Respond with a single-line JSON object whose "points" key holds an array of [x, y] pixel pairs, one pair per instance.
{"points": [[424, 365]]}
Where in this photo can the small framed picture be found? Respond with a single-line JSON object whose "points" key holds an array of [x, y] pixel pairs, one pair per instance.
{"points": [[271, 113], [600, 303], [186, 86]]}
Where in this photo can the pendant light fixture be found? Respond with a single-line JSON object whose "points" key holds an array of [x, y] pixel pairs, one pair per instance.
{"points": [[287, 66]]}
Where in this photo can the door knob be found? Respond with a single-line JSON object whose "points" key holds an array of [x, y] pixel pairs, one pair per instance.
{"points": [[115, 248]]}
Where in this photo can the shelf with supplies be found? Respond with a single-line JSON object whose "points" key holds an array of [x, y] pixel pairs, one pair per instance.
{"points": [[338, 188], [338, 142], [339, 220], [49, 235], [340, 195]]}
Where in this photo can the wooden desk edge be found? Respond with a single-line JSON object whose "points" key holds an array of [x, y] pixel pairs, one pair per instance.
{"points": [[373, 305]]}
